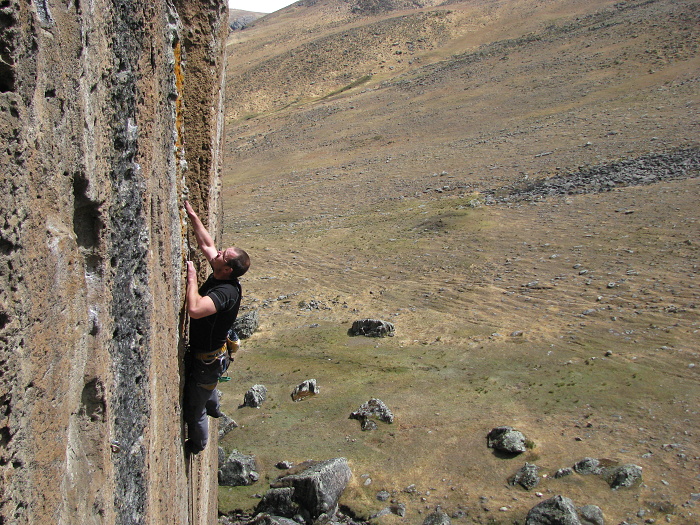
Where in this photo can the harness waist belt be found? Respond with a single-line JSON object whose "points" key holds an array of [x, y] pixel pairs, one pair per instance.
{"points": [[210, 356]]}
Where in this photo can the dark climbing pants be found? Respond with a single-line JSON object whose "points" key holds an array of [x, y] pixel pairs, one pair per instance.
{"points": [[201, 398]]}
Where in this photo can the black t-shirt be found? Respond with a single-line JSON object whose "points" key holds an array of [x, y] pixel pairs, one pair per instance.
{"points": [[209, 333]]}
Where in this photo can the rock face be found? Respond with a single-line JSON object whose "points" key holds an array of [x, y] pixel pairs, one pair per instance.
{"points": [[110, 114]]}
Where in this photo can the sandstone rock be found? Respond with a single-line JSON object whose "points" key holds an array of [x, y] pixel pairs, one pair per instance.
{"points": [[97, 124], [372, 328], [238, 469], [306, 389], [558, 510], [506, 439], [255, 396]]}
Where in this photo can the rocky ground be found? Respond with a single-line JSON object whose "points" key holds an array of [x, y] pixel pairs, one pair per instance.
{"points": [[516, 191]]}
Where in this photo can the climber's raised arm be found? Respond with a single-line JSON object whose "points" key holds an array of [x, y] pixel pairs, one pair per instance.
{"points": [[204, 239]]}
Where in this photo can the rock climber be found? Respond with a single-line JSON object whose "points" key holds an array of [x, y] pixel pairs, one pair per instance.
{"points": [[212, 308]]}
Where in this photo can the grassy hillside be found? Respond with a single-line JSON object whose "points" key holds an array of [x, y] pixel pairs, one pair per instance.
{"points": [[360, 150]]}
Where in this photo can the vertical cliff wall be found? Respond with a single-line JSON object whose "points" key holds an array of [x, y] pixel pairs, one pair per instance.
{"points": [[109, 115]]}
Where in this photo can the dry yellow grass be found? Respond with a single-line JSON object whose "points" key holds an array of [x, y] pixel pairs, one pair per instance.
{"points": [[361, 202]]}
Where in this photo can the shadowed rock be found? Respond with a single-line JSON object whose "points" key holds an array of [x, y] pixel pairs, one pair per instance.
{"points": [[624, 476], [238, 469], [591, 515], [588, 466], [267, 519], [312, 493], [372, 328], [554, 511], [506, 439]]}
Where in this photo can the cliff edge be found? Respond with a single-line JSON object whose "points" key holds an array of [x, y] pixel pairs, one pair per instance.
{"points": [[111, 114]]}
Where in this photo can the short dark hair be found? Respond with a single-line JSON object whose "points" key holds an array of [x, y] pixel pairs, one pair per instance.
{"points": [[240, 263]]}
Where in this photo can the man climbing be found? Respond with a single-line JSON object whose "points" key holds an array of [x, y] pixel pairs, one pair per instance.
{"points": [[212, 309]]}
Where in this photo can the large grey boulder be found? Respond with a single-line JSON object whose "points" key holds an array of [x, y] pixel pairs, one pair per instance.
{"points": [[558, 510], [506, 439], [312, 494], [238, 469], [372, 328]]}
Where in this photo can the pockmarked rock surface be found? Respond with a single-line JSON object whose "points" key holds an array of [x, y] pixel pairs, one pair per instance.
{"points": [[103, 133]]}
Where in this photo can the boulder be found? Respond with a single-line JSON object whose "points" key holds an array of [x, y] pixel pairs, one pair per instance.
{"points": [[238, 469], [226, 425], [374, 408], [563, 472], [280, 502], [246, 324], [588, 466], [558, 510], [506, 439], [255, 396], [624, 476], [312, 493], [268, 519], [591, 515], [437, 518], [306, 389], [372, 328], [526, 477]]}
